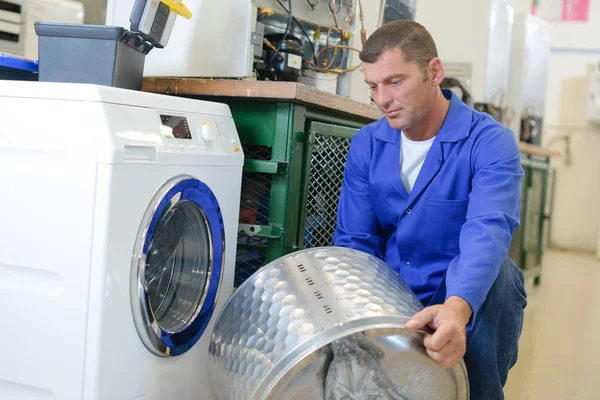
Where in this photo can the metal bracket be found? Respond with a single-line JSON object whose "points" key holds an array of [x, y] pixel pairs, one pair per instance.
{"points": [[256, 38], [266, 166], [300, 137], [320, 128], [261, 231]]}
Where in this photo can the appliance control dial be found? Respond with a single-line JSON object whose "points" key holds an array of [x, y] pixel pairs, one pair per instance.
{"points": [[206, 133]]}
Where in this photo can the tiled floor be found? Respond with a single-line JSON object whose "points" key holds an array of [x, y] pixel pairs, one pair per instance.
{"points": [[560, 346]]}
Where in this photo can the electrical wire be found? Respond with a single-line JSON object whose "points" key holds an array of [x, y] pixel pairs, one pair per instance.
{"points": [[287, 30], [363, 31], [269, 45], [333, 9], [302, 29], [261, 17], [327, 48], [312, 5], [327, 66], [337, 69]]}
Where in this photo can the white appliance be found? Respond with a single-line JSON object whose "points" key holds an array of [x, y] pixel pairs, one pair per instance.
{"points": [[118, 238], [216, 42], [17, 19], [223, 37], [529, 61], [475, 32]]}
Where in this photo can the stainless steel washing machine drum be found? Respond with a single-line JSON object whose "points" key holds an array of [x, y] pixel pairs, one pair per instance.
{"points": [[326, 323]]}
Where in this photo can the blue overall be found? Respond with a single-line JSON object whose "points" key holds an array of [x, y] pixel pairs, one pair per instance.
{"points": [[450, 235]]}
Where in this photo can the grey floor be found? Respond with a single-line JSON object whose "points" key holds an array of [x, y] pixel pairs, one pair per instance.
{"points": [[559, 349]]}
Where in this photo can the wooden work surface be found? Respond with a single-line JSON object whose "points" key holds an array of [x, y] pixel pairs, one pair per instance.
{"points": [[536, 150], [286, 91]]}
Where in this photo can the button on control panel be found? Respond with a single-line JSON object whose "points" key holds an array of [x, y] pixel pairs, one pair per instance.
{"points": [[197, 133], [229, 137]]}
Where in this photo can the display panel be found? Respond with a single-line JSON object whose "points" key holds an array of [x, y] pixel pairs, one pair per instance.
{"points": [[177, 127]]}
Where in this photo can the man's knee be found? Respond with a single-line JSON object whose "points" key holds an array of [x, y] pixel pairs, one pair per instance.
{"points": [[506, 299], [509, 288], [492, 344]]}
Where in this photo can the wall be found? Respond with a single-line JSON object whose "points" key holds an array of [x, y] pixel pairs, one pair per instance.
{"points": [[454, 39], [95, 11], [575, 51], [443, 20], [576, 208], [576, 199], [520, 6], [577, 196]]}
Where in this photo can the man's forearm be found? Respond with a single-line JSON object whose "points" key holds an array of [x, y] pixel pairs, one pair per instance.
{"points": [[460, 307]]}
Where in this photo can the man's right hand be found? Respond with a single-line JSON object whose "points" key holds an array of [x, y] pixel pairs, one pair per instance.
{"points": [[449, 342]]}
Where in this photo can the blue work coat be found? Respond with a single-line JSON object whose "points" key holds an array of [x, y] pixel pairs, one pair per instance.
{"points": [[457, 223]]}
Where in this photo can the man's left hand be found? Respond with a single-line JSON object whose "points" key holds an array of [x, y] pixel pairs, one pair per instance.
{"points": [[449, 342]]}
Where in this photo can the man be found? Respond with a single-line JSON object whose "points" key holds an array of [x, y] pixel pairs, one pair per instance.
{"points": [[434, 189]]}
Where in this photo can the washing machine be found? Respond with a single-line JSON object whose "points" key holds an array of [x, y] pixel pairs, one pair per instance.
{"points": [[118, 229]]}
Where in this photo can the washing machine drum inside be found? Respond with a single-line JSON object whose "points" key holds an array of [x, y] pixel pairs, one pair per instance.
{"points": [[176, 276], [178, 266]]}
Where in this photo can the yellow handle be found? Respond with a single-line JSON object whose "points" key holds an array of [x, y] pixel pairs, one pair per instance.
{"points": [[178, 8]]}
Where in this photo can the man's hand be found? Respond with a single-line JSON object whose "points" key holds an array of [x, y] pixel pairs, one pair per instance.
{"points": [[449, 342]]}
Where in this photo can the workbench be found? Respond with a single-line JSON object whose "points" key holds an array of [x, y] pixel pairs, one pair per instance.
{"points": [[295, 140], [527, 246]]}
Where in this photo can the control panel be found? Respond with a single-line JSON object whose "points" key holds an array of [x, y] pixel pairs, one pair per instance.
{"points": [[198, 132]]}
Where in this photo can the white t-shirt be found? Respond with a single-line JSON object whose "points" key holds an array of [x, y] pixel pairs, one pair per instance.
{"points": [[412, 156]]}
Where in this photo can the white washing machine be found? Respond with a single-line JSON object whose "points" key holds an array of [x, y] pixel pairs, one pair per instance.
{"points": [[118, 229]]}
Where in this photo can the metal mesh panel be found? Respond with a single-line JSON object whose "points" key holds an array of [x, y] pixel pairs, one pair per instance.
{"points": [[515, 246], [256, 193], [254, 209], [328, 160], [249, 258], [535, 215], [257, 152]]}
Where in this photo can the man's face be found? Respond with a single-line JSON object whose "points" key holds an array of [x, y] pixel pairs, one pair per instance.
{"points": [[402, 90]]}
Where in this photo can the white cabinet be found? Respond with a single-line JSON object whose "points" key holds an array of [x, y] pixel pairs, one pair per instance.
{"points": [[531, 42]]}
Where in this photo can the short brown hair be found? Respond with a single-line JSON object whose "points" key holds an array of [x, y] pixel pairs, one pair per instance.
{"points": [[410, 37]]}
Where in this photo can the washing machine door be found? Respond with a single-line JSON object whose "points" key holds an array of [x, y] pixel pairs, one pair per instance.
{"points": [[177, 266]]}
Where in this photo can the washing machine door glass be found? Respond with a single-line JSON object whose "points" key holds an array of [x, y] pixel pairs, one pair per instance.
{"points": [[177, 266], [177, 272]]}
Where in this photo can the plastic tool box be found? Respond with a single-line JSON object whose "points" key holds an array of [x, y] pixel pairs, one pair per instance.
{"points": [[106, 55]]}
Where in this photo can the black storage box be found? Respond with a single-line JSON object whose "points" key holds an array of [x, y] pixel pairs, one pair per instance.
{"points": [[103, 55]]}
